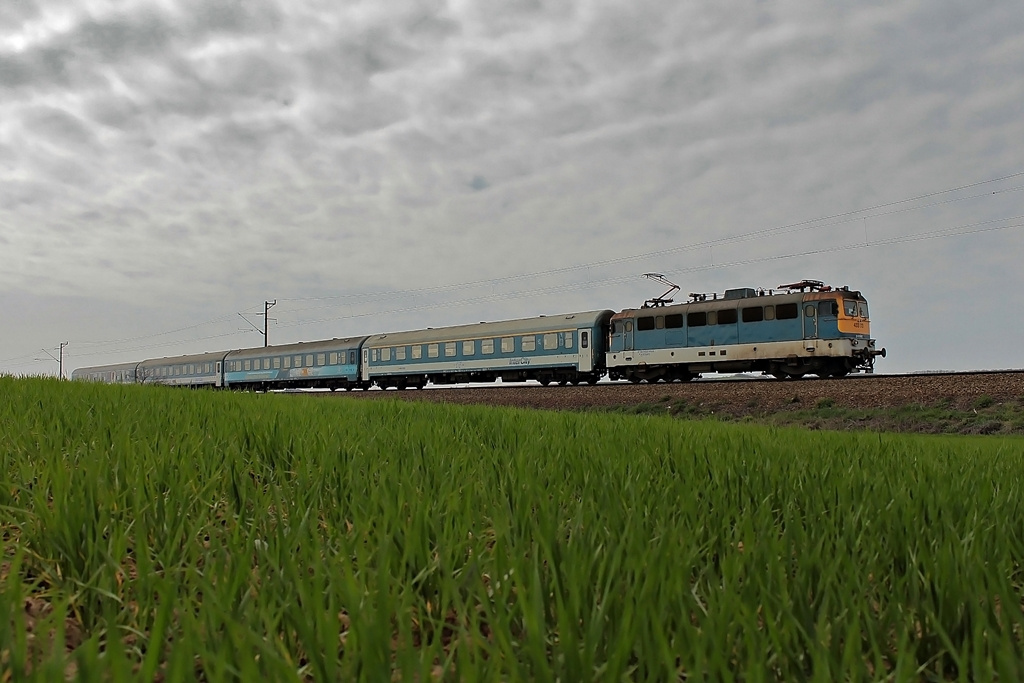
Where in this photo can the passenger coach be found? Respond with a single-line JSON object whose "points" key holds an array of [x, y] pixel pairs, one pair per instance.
{"points": [[565, 348], [332, 364]]}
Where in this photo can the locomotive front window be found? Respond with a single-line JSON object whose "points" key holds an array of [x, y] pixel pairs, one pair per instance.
{"points": [[850, 307], [862, 309]]}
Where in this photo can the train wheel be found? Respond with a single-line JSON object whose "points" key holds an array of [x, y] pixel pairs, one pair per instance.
{"points": [[544, 382]]}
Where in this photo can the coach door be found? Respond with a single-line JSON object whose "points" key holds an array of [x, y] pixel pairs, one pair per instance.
{"points": [[586, 352], [217, 380], [810, 320]]}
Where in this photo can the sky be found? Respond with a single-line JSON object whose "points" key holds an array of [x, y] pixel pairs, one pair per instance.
{"points": [[168, 166]]}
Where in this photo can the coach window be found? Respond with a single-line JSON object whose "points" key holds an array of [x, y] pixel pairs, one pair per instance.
{"points": [[550, 341], [645, 323], [787, 311], [287, 362], [417, 352], [567, 341], [674, 321], [508, 345], [727, 316], [385, 354], [400, 353], [850, 307], [309, 360], [487, 346], [697, 319], [373, 355], [468, 348], [769, 313], [753, 314], [432, 350], [298, 361], [247, 365], [584, 339], [321, 359], [334, 358], [352, 357], [449, 349], [528, 343]]}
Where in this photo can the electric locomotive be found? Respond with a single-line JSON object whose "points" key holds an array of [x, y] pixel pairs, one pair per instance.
{"points": [[808, 328]]}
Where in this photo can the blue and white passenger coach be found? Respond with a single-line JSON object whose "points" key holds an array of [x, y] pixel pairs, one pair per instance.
{"points": [[822, 331], [332, 364], [566, 348]]}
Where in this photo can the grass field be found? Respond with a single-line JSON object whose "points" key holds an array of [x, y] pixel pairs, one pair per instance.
{"points": [[160, 534]]}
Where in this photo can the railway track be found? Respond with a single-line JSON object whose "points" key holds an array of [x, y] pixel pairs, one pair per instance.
{"points": [[959, 390]]}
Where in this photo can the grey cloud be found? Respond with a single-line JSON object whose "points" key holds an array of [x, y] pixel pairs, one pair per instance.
{"points": [[57, 127]]}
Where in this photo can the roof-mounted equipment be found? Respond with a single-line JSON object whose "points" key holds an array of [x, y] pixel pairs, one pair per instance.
{"points": [[663, 299], [812, 285]]}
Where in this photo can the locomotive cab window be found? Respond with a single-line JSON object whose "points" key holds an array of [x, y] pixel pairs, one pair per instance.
{"points": [[828, 307], [850, 307], [862, 309]]}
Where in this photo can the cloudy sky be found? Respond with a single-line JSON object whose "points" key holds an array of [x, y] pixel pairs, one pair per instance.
{"points": [[166, 165]]}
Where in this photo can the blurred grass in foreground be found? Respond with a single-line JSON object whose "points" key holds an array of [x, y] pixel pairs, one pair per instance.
{"points": [[160, 534]]}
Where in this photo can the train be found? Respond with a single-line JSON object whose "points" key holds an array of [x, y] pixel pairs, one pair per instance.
{"points": [[805, 328]]}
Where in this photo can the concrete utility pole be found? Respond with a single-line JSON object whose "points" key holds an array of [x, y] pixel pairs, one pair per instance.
{"points": [[59, 359], [267, 305]]}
